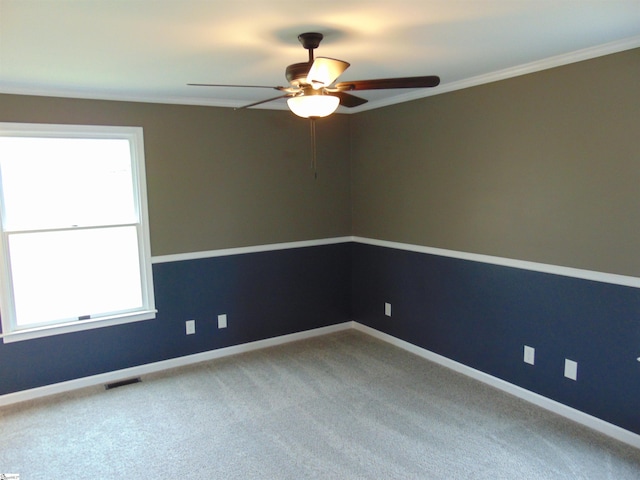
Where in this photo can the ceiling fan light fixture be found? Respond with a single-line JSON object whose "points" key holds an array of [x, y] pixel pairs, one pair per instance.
{"points": [[307, 106], [310, 94]]}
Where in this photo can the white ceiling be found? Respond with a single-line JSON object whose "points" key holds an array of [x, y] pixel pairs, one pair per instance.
{"points": [[148, 50]]}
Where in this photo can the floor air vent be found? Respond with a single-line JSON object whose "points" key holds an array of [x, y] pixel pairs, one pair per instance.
{"points": [[122, 383]]}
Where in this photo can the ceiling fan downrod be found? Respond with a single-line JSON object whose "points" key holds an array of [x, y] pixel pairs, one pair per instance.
{"points": [[310, 41], [296, 73]]}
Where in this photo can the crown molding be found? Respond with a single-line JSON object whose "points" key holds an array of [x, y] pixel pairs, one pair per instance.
{"points": [[511, 72]]}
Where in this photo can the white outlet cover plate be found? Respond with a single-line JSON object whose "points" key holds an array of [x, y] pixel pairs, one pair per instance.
{"points": [[529, 355], [570, 369], [190, 327], [222, 321], [387, 309]]}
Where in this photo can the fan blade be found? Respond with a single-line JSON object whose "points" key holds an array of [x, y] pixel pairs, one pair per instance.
{"points": [[386, 83], [348, 100], [262, 101], [221, 85], [324, 71]]}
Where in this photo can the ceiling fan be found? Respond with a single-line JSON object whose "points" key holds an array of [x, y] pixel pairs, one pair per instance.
{"points": [[310, 92]]}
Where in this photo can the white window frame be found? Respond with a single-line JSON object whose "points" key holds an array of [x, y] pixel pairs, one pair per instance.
{"points": [[10, 332]]}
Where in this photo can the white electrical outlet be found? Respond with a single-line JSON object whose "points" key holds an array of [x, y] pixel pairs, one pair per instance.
{"points": [[529, 355], [190, 327], [222, 321], [570, 369], [387, 309]]}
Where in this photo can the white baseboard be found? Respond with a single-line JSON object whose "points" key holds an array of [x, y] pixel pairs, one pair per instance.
{"points": [[577, 416], [126, 373], [551, 405]]}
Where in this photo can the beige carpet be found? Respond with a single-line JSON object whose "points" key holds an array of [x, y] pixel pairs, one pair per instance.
{"points": [[342, 406]]}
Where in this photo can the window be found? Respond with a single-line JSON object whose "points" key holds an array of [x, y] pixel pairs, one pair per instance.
{"points": [[74, 231]]}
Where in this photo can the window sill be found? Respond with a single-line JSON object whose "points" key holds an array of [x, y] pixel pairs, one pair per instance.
{"points": [[78, 326]]}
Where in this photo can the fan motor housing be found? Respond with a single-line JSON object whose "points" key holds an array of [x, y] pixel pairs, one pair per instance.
{"points": [[297, 73]]}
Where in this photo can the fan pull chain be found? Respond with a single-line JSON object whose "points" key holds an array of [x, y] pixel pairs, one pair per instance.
{"points": [[314, 164]]}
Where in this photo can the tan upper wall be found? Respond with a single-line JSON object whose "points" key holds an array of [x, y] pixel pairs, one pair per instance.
{"points": [[219, 178], [543, 167]]}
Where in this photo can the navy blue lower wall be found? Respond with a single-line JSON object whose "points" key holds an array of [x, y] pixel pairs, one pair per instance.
{"points": [[482, 315], [478, 314], [264, 295]]}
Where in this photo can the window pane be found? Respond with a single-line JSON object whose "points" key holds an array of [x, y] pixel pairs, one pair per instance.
{"points": [[69, 274], [62, 182]]}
